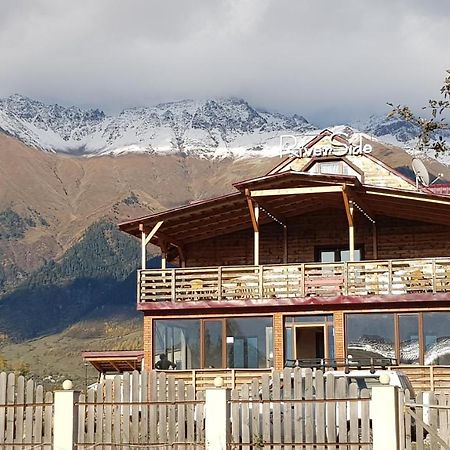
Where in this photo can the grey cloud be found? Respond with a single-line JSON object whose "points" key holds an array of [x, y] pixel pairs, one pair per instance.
{"points": [[327, 60]]}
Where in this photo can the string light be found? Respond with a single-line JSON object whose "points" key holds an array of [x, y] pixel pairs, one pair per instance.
{"points": [[271, 216], [362, 211]]}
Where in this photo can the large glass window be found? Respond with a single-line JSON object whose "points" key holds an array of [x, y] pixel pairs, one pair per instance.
{"points": [[213, 343], [370, 336], [249, 342], [408, 329], [179, 340], [436, 328]]}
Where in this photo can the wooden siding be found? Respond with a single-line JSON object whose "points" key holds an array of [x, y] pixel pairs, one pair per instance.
{"points": [[396, 238]]}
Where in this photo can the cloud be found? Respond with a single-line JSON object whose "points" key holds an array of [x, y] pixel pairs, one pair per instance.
{"points": [[329, 60]]}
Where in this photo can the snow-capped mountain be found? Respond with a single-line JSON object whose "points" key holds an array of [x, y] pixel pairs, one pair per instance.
{"points": [[397, 132], [209, 128], [215, 127]]}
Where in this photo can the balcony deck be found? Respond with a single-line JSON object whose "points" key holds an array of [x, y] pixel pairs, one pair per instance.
{"points": [[231, 283]]}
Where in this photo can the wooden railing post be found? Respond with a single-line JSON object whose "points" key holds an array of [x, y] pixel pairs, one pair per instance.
{"points": [[302, 280], [261, 282], [138, 289], [219, 283], [345, 275], [173, 286], [390, 277], [433, 274]]}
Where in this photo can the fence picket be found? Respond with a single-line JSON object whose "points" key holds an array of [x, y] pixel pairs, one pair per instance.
{"points": [[433, 420], [330, 408], [245, 414], [144, 395], [3, 386], [407, 422], [419, 427], [134, 432], [265, 394], [254, 389], [90, 417], [287, 406], [162, 408], [320, 409], [341, 393], [365, 417], [126, 408], [190, 409], [354, 431], [108, 386], [235, 417], [81, 419], [48, 420], [10, 400], [38, 415], [171, 413], [298, 408], [181, 411], [20, 417], [276, 410], [117, 410], [309, 414], [153, 409], [29, 412], [99, 432]]}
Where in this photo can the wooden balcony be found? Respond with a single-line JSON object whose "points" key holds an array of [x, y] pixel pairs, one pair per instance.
{"points": [[229, 283]]}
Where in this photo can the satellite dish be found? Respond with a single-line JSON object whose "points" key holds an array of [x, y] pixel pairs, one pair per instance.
{"points": [[421, 172]]}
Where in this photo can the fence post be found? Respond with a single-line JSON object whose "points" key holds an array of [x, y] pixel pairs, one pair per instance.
{"points": [[65, 425], [217, 416], [385, 417]]}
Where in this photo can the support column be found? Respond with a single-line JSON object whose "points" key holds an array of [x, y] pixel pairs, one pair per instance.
{"points": [[351, 235], [339, 335], [148, 343], [385, 417], [143, 250], [256, 236], [278, 341], [217, 418], [374, 240], [65, 423]]}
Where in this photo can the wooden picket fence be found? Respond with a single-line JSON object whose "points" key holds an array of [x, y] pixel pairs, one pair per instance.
{"points": [[297, 409], [26, 414], [148, 410], [426, 421]]}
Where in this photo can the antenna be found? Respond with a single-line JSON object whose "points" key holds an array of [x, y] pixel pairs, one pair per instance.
{"points": [[421, 172]]}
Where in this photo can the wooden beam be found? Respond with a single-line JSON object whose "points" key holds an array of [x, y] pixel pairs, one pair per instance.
{"points": [[153, 231], [295, 191], [348, 210], [408, 196], [251, 210]]}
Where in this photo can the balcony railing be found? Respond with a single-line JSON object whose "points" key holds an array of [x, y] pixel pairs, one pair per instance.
{"points": [[294, 280]]}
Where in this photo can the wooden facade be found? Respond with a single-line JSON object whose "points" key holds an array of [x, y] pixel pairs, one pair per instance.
{"points": [[322, 258]]}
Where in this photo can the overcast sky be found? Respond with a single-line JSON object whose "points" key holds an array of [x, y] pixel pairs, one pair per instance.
{"points": [[330, 60]]}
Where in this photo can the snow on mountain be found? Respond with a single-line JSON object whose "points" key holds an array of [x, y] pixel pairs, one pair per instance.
{"points": [[400, 133], [211, 128]]}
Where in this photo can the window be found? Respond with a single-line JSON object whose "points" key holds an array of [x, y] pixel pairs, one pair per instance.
{"points": [[215, 343], [334, 167], [179, 340], [370, 336], [411, 338], [436, 331], [338, 254], [247, 344]]}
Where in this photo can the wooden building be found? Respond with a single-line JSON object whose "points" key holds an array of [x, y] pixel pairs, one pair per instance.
{"points": [[324, 257]]}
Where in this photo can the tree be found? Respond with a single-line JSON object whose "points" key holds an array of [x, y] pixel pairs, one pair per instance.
{"points": [[432, 125]]}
